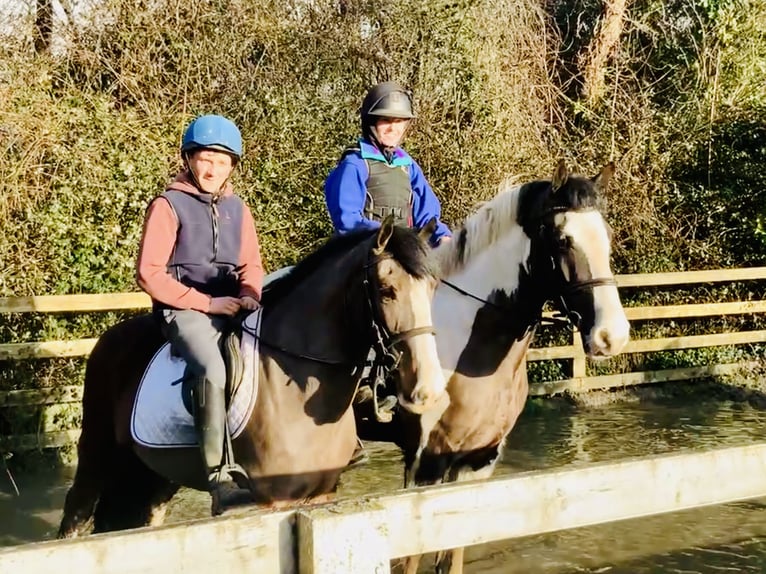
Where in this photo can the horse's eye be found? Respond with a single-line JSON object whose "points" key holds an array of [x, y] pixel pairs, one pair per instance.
{"points": [[388, 292]]}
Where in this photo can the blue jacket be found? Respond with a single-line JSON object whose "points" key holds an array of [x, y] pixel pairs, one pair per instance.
{"points": [[346, 192]]}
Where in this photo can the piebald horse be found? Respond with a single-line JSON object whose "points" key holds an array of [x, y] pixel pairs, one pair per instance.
{"points": [[532, 243], [371, 289]]}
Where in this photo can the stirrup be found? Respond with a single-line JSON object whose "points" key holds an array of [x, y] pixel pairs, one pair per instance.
{"points": [[384, 409], [231, 472]]}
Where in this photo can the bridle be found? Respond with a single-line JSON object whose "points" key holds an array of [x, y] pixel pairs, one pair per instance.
{"points": [[387, 355], [565, 315], [385, 343]]}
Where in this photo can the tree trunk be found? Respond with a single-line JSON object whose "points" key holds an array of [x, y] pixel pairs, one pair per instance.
{"points": [[43, 25], [595, 59]]}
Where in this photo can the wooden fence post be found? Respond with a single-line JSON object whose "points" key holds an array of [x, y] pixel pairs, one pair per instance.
{"points": [[579, 364], [349, 536]]}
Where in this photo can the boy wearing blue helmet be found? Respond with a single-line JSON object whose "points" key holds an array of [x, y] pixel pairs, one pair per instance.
{"points": [[199, 260]]}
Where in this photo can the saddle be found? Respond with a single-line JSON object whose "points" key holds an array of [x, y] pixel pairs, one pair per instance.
{"points": [[162, 413], [235, 367]]}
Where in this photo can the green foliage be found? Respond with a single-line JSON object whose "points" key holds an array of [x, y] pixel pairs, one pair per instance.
{"points": [[542, 371], [94, 136]]}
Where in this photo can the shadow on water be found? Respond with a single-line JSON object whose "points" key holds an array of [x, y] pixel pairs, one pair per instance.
{"points": [[550, 434]]}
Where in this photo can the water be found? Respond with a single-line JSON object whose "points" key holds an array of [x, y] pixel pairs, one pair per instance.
{"points": [[725, 538]]}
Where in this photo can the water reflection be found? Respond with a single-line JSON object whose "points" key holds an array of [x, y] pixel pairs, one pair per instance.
{"points": [[34, 514], [549, 434]]}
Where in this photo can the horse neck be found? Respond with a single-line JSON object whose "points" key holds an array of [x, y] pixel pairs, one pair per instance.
{"points": [[489, 254], [494, 267], [323, 307]]}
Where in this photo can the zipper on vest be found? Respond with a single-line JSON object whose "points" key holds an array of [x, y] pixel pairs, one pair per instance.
{"points": [[214, 215]]}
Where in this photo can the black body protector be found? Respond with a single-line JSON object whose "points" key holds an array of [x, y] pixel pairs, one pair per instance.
{"points": [[388, 192]]}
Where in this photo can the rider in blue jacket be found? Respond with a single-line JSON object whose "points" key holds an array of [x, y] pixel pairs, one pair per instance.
{"points": [[376, 177]]}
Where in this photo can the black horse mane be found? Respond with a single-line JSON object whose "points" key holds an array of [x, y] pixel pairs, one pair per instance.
{"points": [[537, 199], [404, 246]]}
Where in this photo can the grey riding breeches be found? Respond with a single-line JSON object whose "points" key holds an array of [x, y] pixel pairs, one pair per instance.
{"points": [[197, 338]]}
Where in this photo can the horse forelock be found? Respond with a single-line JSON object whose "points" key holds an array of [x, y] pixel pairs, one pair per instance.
{"points": [[578, 193], [538, 199], [412, 253]]}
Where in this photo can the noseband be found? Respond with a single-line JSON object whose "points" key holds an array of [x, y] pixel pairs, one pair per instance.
{"points": [[566, 314]]}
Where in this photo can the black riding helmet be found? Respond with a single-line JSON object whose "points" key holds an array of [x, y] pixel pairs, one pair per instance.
{"points": [[385, 100]]}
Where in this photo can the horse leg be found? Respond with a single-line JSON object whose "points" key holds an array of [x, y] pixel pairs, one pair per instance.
{"points": [[94, 459], [135, 496], [410, 564], [450, 561], [80, 501], [158, 505], [421, 469]]}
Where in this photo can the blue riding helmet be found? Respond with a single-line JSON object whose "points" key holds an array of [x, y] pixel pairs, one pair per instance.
{"points": [[213, 132]]}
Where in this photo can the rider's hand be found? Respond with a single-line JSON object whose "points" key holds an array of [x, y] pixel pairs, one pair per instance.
{"points": [[224, 306], [249, 303]]}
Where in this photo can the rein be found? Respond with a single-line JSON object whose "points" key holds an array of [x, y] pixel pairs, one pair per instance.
{"points": [[472, 296], [293, 354], [556, 319], [384, 342], [565, 316]]}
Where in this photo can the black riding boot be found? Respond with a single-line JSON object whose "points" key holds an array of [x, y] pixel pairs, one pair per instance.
{"points": [[210, 423], [209, 413]]}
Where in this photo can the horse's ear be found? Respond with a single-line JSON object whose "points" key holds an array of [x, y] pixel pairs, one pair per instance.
{"points": [[560, 175], [427, 230], [384, 234], [601, 181]]}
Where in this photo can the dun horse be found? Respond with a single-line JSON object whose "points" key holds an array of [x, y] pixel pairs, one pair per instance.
{"points": [[541, 241], [371, 289]]}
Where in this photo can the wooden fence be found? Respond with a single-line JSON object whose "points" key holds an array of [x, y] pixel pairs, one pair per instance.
{"points": [[580, 381], [362, 535]]}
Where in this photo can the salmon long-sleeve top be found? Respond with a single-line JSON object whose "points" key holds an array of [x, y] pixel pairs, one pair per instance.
{"points": [[158, 244]]}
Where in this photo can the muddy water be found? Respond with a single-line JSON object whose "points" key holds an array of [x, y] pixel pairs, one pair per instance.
{"points": [[727, 538]]}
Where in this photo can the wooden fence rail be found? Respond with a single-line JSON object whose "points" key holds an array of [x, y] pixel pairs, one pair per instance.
{"points": [[362, 535], [579, 381]]}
